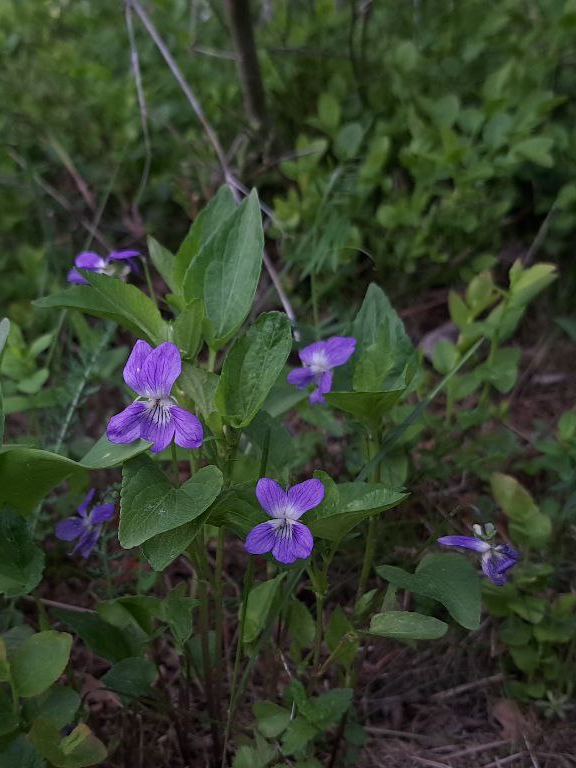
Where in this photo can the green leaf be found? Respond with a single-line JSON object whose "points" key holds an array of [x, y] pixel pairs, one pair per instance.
{"points": [[385, 358], [448, 578], [163, 549], [327, 709], [132, 677], [402, 625], [356, 502], [365, 406], [526, 284], [251, 368], [536, 149], [528, 525], [58, 704], [21, 561], [337, 628], [300, 624], [101, 637], [266, 430], [178, 609], [151, 505], [200, 385], [19, 752], [28, 474], [111, 299], [271, 719], [79, 749], [39, 662], [348, 141], [260, 602], [188, 329], [163, 260], [297, 736], [445, 356], [225, 273], [329, 111], [220, 208]]}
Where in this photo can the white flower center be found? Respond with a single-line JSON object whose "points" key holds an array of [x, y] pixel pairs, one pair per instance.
{"points": [[159, 408], [319, 362]]}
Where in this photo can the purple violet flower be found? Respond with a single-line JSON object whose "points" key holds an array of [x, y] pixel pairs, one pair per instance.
{"points": [[102, 265], [284, 535], [154, 415], [496, 559], [85, 526], [319, 359]]}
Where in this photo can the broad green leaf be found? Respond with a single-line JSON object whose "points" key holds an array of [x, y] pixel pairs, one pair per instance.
{"points": [[402, 625], [526, 284], [177, 612], [188, 329], [28, 474], [260, 602], [79, 749], [365, 406], [200, 385], [58, 704], [356, 502], [111, 299], [528, 524], [101, 637], [220, 208], [151, 505], [237, 509], [445, 356], [297, 736], [251, 368], [20, 752], [385, 358], [104, 454], [282, 453], [163, 260], [132, 677], [337, 628], [328, 111], [327, 709], [163, 549], [348, 141], [300, 624], [537, 149], [137, 611], [39, 662], [225, 273], [21, 561], [271, 719], [448, 578]]}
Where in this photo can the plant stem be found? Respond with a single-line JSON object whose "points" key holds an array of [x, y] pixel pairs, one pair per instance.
{"points": [[232, 702], [205, 644], [219, 616], [211, 359], [175, 470], [149, 282], [373, 446], [319, 629], [313, 289]]}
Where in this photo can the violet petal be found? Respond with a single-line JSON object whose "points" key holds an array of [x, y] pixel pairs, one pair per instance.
{"points": [[272, 497], [189, 432], [158, 427], [101, 513], [339, 349], [300, 377], [70, 529], [125, 427], [304, 496], [468, 542], [133, 368], [161, 369], [261, 539]]}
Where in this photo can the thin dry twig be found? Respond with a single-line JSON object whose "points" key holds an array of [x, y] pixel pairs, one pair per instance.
{"points": [[504, 760], [61, 200], [465, 687], [430, 763]]}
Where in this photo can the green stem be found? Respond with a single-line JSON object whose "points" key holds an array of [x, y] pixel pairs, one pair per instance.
{"points": [[175, 470], [149, 283], [319, 629], [211, 359], [232, 703], [219, 617], [370, 550], [491, 355], [314, 292]]}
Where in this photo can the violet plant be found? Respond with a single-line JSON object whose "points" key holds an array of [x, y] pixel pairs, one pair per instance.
{"points": [[213, 383]]}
